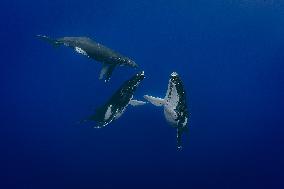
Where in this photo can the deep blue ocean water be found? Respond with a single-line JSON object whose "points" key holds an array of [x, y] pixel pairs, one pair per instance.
{"points": [[230, 55]]}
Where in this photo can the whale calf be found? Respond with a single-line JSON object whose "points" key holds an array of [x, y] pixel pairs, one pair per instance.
{"points": [[118, 102], [90, 48], [175, 107]]}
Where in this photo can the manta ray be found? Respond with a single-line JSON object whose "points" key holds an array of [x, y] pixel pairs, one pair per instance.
{"points": [[175, 107], [118, 102], [94, 50]]}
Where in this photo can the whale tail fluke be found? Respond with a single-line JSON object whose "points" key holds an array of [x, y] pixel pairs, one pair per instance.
{"points": [[179, 138], [93, 120], [155, 100], [53, 42]]}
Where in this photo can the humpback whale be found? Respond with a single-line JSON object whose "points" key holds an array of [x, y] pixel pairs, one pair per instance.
{"points": [[93, 50], [118, 102], [175, 108]]}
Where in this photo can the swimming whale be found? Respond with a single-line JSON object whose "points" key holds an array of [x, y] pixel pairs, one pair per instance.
{"points": [[93, 50], [175, 107], [118, 102]]}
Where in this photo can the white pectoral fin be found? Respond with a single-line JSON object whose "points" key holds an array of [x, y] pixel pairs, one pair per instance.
{"points": [[137, 102], [154, 100], [103, 71], [106, 72]]}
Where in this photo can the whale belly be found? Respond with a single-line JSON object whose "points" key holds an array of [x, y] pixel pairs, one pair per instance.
{"points": [[171, 116]]}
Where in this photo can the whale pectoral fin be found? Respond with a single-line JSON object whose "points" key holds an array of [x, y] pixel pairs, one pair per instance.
{"points": [[136, 102], [155, 100], [53, 42], [109, 72], [106, 72], [103, 71]]}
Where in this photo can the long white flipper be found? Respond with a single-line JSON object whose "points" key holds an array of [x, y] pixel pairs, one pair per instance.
{"points": [[106, 72], [103, 71], [137, 102], [155, 100]]}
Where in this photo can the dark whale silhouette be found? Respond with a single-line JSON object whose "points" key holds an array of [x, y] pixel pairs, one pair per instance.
{"points": [[118, 102], [93, 50]]}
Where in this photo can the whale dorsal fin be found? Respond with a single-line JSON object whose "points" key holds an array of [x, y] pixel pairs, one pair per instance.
{"points": [[106, 72], [155, 100], [136, 102]]}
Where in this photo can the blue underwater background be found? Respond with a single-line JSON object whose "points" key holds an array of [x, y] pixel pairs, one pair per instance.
{"points": [[229, 53]]}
